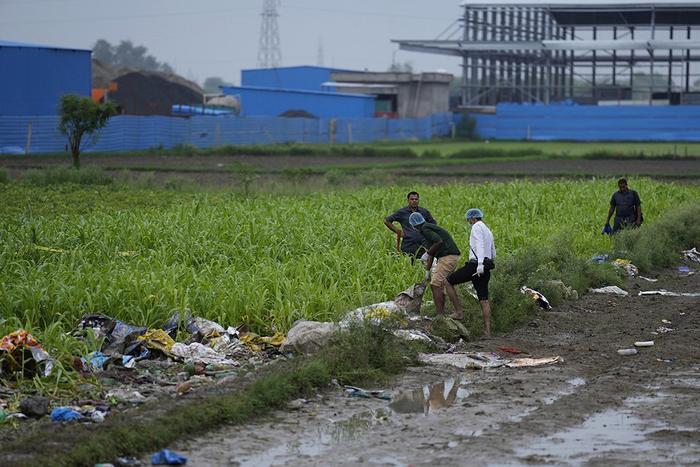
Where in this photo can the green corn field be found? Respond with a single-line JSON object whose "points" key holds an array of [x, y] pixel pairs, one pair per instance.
{"points": [[265, 260]]}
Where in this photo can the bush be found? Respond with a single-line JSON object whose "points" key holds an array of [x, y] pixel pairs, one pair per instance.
{"points": [[4, 178], [536, 267], [659, 244], [431, 154], [477, 153], [184, 149], [367, 353], [466, 127], [336, 176], [178, 183], [59, 175]]}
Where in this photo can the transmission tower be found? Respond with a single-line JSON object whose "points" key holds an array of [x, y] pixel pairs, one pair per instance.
{"points": [[319, 53], [269, 54]]}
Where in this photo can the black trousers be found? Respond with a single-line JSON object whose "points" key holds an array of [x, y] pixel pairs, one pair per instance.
{"points": [[466, 274]]}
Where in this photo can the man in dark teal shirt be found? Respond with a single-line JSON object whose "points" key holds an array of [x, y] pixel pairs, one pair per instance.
{"points": [[441, 246], [626, 205]]}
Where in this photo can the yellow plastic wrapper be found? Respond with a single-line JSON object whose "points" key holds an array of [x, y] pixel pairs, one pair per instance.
{"points": [[157, 339], [257, 343]]}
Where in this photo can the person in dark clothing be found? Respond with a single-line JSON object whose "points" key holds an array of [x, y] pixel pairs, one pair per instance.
{"points": [[441, 246], [627, 206], [408, 239]]}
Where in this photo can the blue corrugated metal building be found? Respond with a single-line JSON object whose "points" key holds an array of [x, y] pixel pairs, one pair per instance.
{"points": [[308, 78], [274, 91], [34, 77], [260, 101]]}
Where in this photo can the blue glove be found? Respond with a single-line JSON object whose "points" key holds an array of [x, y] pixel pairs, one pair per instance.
{"points": [[607, 230]]}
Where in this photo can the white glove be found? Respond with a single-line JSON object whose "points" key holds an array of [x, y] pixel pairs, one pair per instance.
{"points": [[479, 269], [424, 258]]}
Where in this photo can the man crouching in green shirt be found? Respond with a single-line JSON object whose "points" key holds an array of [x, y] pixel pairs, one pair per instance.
{"points": [[442, 247]]}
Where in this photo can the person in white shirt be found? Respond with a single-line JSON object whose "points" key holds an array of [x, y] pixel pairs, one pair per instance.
{"points": [[482, 252]]}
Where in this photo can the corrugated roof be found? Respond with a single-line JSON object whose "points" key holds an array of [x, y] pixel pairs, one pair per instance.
{"points": [[27, 45], [298, 91], [298, 67]]}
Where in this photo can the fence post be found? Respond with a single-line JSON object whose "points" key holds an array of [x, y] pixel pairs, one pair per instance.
{"points": [[28, 147], [331, 130], [217, 135], [349, 133]]}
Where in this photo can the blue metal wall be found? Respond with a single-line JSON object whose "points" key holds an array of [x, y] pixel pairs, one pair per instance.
{"points": [[591, 123], [130, 132], [273, 102], [33, 78], [307, 78]]}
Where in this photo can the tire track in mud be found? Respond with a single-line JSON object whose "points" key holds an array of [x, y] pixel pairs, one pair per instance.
{"points": [[595, 408]]}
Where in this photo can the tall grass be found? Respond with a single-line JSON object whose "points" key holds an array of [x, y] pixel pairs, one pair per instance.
{"points": [[268, 260]]}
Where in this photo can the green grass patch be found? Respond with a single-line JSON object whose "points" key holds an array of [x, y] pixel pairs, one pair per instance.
{"points": [[65, 174], [572, 149]]}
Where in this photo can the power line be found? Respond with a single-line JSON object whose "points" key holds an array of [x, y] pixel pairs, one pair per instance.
{"points": [[366, 13], [127, 17]]}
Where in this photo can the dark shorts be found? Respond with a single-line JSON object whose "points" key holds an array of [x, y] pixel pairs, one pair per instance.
{"points": [[466, 274], [621, 223]]}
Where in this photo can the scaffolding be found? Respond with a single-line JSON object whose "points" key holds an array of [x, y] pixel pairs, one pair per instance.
{"points": [[590, 52]]}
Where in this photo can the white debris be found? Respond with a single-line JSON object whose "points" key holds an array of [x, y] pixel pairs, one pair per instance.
{"points": [[522, 362], [125, 395], [644, 344], [473, 361], [307, 337], [537, 297], [409, 300], [669, 294], [630, 269], [648, 279], [692, 255], [375, 313], [412, 335], [196, 353], [610, 290], [207, 327], [483, 360]]}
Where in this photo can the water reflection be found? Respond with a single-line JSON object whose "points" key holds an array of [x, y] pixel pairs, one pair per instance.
{"points": [[430, 397]]}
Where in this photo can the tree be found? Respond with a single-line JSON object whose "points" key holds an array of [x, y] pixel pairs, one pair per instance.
{"points": [[80, 117], [405, 67], [211, 84], [126, 54]]}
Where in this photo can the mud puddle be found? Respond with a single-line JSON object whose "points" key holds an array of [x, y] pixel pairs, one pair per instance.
{"points": [[431, 410], [627, 434], [594, 408]]}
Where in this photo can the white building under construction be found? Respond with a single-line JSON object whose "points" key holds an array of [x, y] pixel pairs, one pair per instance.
{"points": [[592, 51]]}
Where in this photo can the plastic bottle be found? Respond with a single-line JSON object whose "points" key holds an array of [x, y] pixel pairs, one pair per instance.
{"points": [[627, 351]]}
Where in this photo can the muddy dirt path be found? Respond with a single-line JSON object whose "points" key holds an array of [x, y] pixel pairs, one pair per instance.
{"points": [[594, 408], [220, 170]]}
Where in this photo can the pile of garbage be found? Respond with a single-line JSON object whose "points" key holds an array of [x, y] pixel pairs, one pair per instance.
{"points": [[134, 364]]}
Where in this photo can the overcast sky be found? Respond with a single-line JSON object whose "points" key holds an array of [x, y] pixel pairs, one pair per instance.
{"points": [[220, 37]]}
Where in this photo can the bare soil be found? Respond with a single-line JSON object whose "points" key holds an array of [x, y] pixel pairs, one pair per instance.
{"points": [[220, 170], [595, 408]]}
